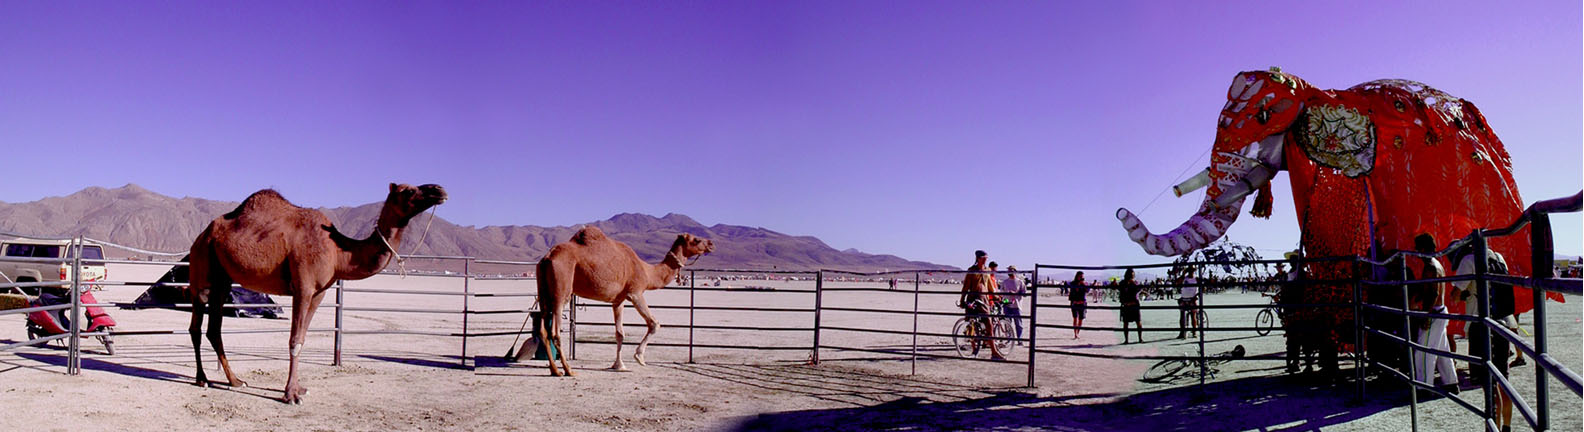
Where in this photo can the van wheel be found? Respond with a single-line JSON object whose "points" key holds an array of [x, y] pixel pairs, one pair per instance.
{"points": [[30, 291]]}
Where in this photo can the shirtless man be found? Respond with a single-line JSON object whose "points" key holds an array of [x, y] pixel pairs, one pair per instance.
{"points": [[975, 301]]}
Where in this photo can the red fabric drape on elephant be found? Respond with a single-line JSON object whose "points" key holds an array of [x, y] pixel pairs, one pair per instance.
{"points": [[1441, 171]]}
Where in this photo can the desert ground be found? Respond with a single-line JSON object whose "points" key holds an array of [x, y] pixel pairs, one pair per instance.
{"points": [[419, 381]]}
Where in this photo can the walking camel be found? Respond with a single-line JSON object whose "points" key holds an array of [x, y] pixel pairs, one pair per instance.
{"points": [[274, 247], [595, 267]]}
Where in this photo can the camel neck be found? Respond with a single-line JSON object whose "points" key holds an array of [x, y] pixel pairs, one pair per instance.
{"points": [[372, 254], [667, 269]]}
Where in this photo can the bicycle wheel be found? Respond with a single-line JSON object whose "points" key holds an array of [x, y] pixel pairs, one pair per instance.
{"points": [[963, 337], [1004, 329], [1264, 322], [1164, 370], [1204, 319]]}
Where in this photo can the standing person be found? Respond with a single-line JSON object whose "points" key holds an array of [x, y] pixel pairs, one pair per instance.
{"points": [[1290, 291], [1078, 297], [1501, 311], [995, 285], [1128, 292], [1014, 290], [975, 301], [1187, 297], [1432, 332]]}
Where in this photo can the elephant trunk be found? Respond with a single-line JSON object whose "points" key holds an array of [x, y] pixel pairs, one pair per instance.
{"points": [[1231, 177]]}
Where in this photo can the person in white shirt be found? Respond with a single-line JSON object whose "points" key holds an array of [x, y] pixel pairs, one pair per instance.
{"points": [[1501, 311], [1013, 287], [1187, 306]]}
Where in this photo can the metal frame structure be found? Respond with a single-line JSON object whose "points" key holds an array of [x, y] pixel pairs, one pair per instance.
{"points": [[1541, 282]]}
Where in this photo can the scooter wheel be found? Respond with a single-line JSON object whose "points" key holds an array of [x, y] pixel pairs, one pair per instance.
{"points": [[108, 343]]}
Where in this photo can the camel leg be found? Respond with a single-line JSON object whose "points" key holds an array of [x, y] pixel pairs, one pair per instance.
{"points": [[198, 290], [303, 306], [561, 348], [616, 311], [548, 319], [196, 329], [216, 314], [654, 325]]}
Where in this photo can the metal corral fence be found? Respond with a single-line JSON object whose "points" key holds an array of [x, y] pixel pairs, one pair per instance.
{"points": [[1196, 305], [75, 334], [1542, 282]]}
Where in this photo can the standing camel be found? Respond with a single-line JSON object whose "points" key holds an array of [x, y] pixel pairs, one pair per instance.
{"points": [[595, 267], [271, 246]]}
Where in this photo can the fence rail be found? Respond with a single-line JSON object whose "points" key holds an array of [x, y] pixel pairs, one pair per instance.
{"points": [[1541, 282]]}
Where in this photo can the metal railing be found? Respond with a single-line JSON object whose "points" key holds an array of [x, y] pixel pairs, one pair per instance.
{"points": [[1542, 284], [74, 330], [1541, 281]]}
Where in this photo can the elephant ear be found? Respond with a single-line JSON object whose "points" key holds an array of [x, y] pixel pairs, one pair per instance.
{"points": [[1337, 136]]}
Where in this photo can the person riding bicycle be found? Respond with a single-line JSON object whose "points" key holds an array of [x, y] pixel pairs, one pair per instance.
{"points": [[1188, 307], [975, 301]]}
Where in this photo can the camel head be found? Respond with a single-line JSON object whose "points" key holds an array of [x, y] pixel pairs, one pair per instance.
{"points": [[688, 246], [406, 201]]}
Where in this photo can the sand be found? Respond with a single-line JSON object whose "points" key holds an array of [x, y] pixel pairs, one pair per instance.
{"points": [[417, 382]]}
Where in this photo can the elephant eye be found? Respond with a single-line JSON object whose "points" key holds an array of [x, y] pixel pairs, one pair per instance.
{"points": [[1262, 116]]}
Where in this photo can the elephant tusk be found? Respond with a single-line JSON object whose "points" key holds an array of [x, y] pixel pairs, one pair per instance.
{"points": [[1194, 183]]}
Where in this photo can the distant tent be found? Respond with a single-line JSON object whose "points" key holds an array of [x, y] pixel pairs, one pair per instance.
{"points": [[162, 293]]}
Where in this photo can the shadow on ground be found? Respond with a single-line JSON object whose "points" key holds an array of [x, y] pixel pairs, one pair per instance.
{"points": [[1270, 403]]}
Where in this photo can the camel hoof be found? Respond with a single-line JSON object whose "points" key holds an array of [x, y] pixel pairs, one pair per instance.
{"points": [[202, 383], [237, 383], [294, 395], [619, 368], [640, 359]]}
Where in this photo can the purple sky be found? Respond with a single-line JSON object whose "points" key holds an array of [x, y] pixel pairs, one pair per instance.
{"points": [[925, 131]]}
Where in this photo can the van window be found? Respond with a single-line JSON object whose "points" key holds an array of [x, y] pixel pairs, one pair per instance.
{"points": [[19, 250], [89, 252]]}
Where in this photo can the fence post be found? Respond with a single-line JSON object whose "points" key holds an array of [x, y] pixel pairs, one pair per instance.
{"points": [[819, 294], [692, 289], [1204, 366], [1481, 270], [915, 323], [1033, 320], [1358, 326], [339, 328], [1540, 243], [1408, 337], [572, 327], [467, 294], [74, 351]]}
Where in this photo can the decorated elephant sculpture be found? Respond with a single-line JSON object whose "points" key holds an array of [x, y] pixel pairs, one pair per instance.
{"points": [[1371, 167]]}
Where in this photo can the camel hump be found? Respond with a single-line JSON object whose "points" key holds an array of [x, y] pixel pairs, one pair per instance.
{"points": [[588, 235], [263, 198]]}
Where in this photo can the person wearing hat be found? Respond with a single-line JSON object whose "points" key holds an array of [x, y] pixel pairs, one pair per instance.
{"points": [[975, 301], [1014, 291]]}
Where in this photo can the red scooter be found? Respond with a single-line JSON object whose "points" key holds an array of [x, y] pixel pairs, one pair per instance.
{"points": [[56, 322]]}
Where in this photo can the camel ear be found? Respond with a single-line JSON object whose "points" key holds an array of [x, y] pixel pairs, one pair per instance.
{"points": [[392, 188]]}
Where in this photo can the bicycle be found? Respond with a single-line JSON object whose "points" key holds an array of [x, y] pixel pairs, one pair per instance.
{"points": [[968, 334], [1170, 369], [1265, 320], [1197, 311]]}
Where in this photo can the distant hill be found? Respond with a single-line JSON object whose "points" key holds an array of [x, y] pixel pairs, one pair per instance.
{"points": [[134, 216]]}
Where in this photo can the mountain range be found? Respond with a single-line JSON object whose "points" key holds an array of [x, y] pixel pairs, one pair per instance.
{"points": [[136, 217]]}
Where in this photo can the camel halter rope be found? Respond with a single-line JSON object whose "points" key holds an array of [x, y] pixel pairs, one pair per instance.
{"points": [[401, 263]]}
